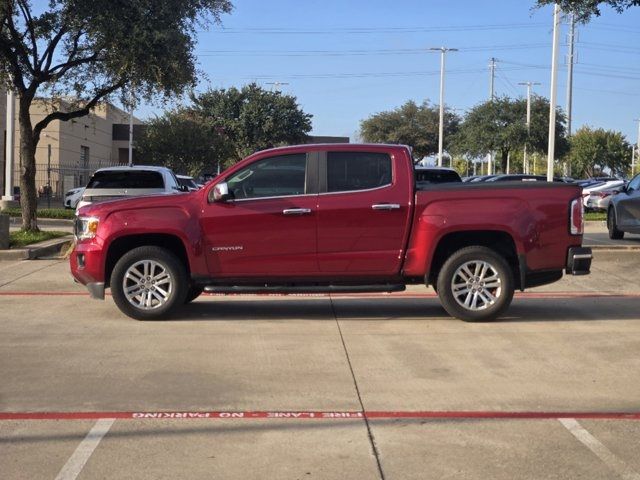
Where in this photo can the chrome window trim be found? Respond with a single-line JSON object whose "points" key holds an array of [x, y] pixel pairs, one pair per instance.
{"points": [[239, 200], [356, 191]]}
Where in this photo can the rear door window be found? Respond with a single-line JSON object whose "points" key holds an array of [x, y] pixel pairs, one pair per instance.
{"points": [[126, 179], [349, 171]]}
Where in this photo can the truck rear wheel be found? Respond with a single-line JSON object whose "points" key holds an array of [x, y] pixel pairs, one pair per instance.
{"points": [[475, 284], [148, 282]]}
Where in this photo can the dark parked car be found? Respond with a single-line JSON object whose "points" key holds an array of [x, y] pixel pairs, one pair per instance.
{"points": [[435, 175], [523, 178], [623, 214]]}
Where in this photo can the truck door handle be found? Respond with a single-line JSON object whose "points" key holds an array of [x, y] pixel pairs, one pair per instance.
{"points": [[385, 206], [296, 211]]}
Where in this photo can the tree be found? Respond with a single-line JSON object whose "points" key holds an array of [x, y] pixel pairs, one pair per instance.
{"points": [[499, 125], [253, 118], [592, 151], [184, 142], [413, 125], [90, 49], [585, 9]]}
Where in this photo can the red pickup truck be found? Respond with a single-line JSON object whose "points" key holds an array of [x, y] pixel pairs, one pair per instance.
{"points": [[331, 218]]}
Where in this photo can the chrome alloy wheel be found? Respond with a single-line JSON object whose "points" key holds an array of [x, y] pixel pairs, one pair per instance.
{"points": [[476, 285], [147, 285]]}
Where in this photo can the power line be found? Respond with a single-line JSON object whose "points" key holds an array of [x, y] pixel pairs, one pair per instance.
{"points": [[369, 30], [341, 53]]}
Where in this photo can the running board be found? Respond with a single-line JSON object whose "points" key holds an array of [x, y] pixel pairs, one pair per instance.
{"points": [[307, 289]]}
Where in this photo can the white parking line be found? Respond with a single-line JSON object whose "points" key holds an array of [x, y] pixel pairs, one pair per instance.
{"points": [[602, 452], [77, 461]]}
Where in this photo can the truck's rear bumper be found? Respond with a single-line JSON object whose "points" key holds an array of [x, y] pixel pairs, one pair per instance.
{"points": [[579, 261]]}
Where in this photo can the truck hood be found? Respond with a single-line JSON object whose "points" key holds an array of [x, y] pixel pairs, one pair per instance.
{"points": [[161, 200]]}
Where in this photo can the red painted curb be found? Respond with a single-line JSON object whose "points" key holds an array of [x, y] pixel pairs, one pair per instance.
{"points": [[319, 415]]}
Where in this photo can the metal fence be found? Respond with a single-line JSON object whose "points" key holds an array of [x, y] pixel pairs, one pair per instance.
{"points": [[52, 182]]}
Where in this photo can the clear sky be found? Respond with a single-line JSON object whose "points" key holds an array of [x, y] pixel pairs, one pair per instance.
{"points": [[346, 60]]}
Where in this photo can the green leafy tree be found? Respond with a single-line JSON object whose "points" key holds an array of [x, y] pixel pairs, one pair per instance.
{"points": [[499, 125], [594, 150], [585, 9], [253, 118], [88, 50], [413, 125], [184, 142]]}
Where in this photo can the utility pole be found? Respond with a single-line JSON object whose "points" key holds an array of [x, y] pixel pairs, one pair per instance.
{"points": [[570, 62], [442, 50], [553, 100], [492, 79], [525, 163]]}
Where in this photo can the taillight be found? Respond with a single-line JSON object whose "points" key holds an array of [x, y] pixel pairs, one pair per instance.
{"points": [[576, 220]]}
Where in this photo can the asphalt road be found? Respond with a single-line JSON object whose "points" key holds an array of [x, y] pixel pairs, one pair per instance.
{"points": [[364, 387], [601, 239]]}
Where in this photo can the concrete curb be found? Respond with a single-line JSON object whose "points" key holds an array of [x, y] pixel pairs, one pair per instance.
{"points": [[48, 248], [44, 221]]}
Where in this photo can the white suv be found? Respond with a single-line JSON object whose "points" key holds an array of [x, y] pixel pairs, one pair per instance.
{"points": [[121, 182]]}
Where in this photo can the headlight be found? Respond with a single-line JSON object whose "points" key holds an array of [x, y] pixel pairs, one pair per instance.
{"points": [[85, 227]]}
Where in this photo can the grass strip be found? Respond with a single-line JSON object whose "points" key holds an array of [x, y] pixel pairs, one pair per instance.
{"points": [[20, 238]]}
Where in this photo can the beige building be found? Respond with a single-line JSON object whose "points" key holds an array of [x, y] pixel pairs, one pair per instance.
{"points": [[69, 152]]}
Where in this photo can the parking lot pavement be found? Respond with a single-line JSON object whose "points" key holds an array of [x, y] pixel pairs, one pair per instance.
{"points": [[352, 386]]}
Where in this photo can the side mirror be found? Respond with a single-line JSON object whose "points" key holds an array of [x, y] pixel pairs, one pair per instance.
{"points": [[221, 193]]}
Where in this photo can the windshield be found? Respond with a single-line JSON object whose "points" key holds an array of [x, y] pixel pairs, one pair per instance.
{"points": [[126, 179]]}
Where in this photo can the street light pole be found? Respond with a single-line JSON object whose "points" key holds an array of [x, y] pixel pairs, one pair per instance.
{"points": [[554, 90], [633, 165], [525, 164], [442, 50], [9, 147], [131, 127]]}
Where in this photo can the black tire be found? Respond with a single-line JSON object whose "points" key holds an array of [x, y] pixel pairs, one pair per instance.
{"points": [[612, 225], [193, 293], [161, 283], [487, 296]]}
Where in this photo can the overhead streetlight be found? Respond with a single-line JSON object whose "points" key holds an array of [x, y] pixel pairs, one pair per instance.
{"points": [[442, 51], [277, 85]]}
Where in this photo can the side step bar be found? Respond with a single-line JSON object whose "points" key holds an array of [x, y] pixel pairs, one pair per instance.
{"points": [[306, 289]]}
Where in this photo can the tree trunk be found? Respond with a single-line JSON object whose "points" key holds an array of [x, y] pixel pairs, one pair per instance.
{"points": [[28, 194], [503, 159]]}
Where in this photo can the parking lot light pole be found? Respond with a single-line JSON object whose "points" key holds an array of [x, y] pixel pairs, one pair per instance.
{"points": [[554, 90], [633, 165], [442, 51], [525, 164], [9, 147]]}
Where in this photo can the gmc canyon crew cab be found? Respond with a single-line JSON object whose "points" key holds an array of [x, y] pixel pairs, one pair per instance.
{"points": [[331, 218]]}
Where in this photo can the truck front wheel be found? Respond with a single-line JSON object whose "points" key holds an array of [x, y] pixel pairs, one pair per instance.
{"points": [[475, 284], [148, 282]]}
